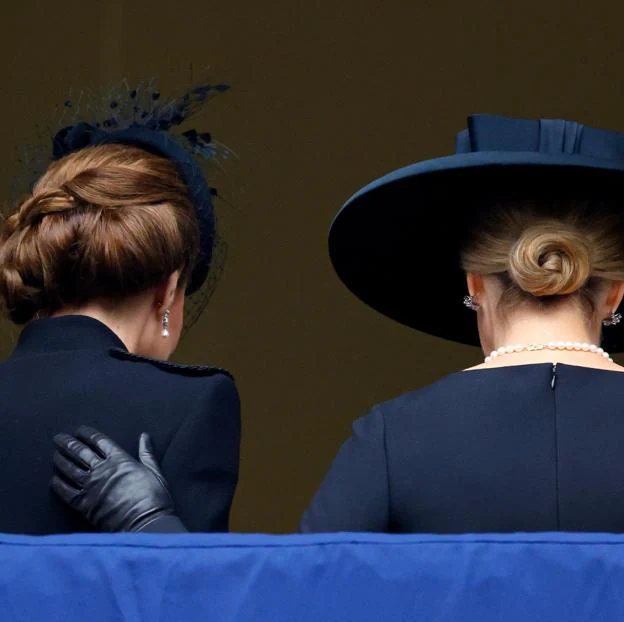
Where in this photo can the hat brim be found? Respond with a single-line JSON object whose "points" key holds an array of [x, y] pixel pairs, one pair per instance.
{"points": [[395, 244]]}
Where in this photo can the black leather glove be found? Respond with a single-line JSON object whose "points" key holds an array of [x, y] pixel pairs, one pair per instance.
{"points": [[111, 489]]}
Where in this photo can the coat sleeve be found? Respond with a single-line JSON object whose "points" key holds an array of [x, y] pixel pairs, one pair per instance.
{"points": [[201, 462], [354, 495]]}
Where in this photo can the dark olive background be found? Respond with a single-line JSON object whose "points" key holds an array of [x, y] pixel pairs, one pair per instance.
{"points": [[327, 96]]}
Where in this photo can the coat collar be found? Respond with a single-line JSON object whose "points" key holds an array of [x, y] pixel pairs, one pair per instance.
{"points": [[66, 333]]}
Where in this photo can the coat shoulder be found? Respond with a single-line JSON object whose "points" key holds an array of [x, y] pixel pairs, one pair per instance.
{"points": [[167, 366]]}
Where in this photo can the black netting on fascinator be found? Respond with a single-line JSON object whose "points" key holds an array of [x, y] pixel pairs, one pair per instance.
{"points": [[141, 117]]}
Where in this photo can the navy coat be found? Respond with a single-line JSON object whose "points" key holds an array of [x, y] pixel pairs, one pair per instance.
{"points": [[73, 370], [522, 448]]}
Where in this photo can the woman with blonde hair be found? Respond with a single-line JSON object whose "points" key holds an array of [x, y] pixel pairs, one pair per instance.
{"points": [[526, 225], [96, 262]]}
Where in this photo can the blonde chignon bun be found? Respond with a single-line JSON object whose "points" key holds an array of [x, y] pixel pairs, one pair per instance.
{"points": [[549, 259]]}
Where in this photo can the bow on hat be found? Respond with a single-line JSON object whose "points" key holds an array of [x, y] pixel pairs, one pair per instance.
{"points": [[548, 136]]}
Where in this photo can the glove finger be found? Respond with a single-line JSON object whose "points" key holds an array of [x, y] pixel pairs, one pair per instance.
{"points": [[99, 442], [67, 493], [76, 451], [71, 473], [148, 458], [146, 452]]}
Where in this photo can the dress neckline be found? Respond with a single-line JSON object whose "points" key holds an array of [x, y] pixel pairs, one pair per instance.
{"points": [[544, 364]]}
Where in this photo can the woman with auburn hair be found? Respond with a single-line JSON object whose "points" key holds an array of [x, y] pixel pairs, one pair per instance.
{"points": [[96, 262], [526, 225]]}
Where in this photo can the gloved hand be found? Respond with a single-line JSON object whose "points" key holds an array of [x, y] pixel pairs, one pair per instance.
{"points": [[111, 489]]}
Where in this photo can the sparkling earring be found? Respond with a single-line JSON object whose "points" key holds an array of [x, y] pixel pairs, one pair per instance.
{"points": [[613, 319], [471, 303], [165, 323]]}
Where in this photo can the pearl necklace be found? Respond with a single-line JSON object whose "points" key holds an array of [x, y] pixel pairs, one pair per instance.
{"points": [[551, 345]]}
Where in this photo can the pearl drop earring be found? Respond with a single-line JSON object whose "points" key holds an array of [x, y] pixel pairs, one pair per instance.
{"points": [[165, 323]]}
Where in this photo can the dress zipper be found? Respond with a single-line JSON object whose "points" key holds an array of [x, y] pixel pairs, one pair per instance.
{"points": [[553, 380]]}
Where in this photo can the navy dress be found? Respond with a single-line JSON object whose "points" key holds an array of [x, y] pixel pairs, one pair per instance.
{"points": [[523, 448], [73, 370]]}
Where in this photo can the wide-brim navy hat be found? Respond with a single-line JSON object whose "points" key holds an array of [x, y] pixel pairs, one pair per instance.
{"points": [[396, 243]]}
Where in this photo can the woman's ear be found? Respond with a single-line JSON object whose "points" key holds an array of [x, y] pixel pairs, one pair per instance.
{"points": [[615, 295], [474, 282], [165, 294]]}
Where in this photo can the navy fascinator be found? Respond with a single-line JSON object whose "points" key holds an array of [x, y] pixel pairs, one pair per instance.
{"points": [[142, 118]]}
